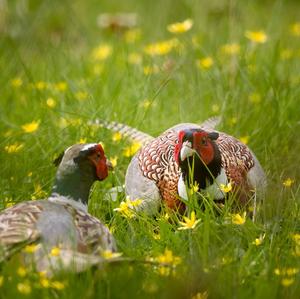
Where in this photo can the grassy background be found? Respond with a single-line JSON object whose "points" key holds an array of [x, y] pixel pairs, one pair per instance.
{"points": [[46, 51]]}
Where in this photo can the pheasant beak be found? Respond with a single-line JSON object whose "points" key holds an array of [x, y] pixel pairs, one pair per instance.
{"points": [[186, 151], [109, 165]]}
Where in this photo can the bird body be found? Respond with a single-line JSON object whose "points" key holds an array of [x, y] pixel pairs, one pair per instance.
{"points": [[156, 173], [62, 220]]}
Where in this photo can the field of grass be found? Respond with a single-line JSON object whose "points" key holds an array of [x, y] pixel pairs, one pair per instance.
{"points": [[239, 60]]}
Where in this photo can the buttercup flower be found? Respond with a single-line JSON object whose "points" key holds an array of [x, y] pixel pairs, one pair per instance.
{"points": [[258, 37], [181, 27], [189, 223]]}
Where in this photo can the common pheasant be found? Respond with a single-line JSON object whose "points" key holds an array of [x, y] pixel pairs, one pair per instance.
{"points": [[62, 221], [160, 170]]}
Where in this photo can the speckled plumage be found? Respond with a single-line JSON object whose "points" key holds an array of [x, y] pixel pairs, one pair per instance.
{"points": [[157, 163]]}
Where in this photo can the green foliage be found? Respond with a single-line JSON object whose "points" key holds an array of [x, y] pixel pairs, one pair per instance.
{"points": [[60, 70]]}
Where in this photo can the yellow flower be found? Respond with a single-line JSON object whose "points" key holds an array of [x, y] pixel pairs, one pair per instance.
{"points": [[181, 27], [215, 108], [238, 219], [50, 102], [226, 188], [82, 140], [31, 248], [21, 271], [231, 49], [296, 238], [102, 52], [132, 35], [295, 29], [40, 85], [258, 241], [205, 63], [45, 283], [286, 271], [135, 203], [132, 149], [31, 127], [288, 182], [1, 280], [55, 251], [114, 161], [108, 254], [194, 188], [13, 148], [16, 82], [258, 37], [244, 139], [286, 282], [146, 103], [254, 98], [148, 69], [156, 236], [38, 192], [125, 210], [8, 202], [57, 285], [167, 258], [116, 137], [135, 58], [24, 288], [203, 295], [189, 223], [161, 48], [81, 95], [61, 86]]}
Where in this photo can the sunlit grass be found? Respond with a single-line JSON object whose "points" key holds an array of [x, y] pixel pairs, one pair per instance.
{"points": [[182, 62]]}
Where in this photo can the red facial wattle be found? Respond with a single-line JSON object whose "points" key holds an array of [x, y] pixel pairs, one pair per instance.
{"points": [[99, 160]]}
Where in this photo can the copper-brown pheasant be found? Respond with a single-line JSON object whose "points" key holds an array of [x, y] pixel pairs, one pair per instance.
{"points": [[161, 169], [61, 221]]}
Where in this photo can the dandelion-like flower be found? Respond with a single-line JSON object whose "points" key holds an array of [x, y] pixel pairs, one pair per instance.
{"points": [[126, 207], [108, 254], [31, 127], [132, 149], [288, 182], [244, 139], [226, 188], [258, 241], [116, 137], [295, 29], [21, 271], [189, 223], [31, 248], [161, 48], [231, 49], [258, 37], [238, 219], [181, 27], [61, 86], [24, 287], [13, 148], [102, 52], [55, 251], [51, 103], [16, 82], [205, 63], [113, 161]]}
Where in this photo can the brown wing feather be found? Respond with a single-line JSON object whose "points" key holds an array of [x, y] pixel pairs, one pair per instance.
{"points": [[18, 227]]}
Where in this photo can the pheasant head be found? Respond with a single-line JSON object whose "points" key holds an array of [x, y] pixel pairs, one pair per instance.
{"points": [[197, 150], [78, 168]]}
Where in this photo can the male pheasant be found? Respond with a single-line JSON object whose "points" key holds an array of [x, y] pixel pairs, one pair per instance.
{"points": [[161, 169], [62, 221]]}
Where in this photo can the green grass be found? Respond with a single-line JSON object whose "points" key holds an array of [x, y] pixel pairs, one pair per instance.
{"points": [[52, 41]]}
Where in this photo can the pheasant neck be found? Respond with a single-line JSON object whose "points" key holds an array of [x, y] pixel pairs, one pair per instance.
{"points": [[203, 175], [74, 186]]}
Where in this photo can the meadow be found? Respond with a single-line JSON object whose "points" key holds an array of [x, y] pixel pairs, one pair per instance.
{"points": [[62, 66]]}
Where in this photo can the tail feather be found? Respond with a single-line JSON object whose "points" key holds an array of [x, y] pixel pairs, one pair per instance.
{"points": [[132, 133], [211, 123]]}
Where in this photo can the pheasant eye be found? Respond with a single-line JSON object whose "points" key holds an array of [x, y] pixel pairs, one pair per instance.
{"points": [[204, 141]]}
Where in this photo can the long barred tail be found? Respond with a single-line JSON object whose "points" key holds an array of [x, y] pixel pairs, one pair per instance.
{"points": [[211, 123], [132, 133]]}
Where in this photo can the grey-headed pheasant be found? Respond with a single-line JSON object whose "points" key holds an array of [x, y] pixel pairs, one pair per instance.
{"points": [[61, 221]]}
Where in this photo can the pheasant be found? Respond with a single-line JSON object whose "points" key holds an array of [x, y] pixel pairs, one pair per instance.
{"points": [[161, 169], [61, 222]]}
